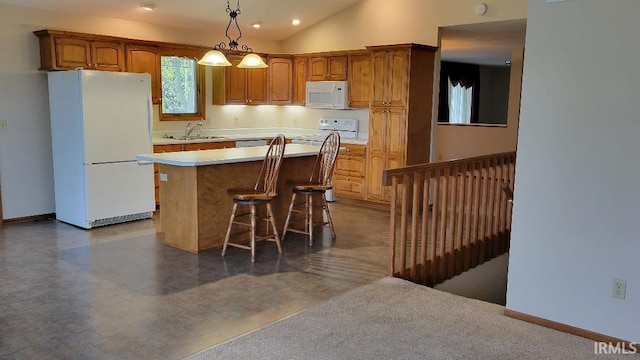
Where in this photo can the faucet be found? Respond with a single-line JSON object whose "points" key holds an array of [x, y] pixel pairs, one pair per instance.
{"points": [[189, 129]]}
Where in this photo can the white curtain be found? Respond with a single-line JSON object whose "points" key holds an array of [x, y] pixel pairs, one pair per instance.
{"points": [[459, 104]]}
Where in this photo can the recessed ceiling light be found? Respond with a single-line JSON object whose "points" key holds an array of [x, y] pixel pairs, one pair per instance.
{"points": [[295, 22], [149, 6], [256, 25]]}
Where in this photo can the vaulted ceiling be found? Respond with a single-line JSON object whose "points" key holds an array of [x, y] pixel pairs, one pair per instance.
{"points": [[484, 43]]}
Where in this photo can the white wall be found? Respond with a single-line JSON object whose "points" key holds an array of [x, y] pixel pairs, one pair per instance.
{"points": [[577, 200]]}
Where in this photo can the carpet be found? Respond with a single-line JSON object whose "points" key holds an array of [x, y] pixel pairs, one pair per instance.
{"points": [[396, 319]]}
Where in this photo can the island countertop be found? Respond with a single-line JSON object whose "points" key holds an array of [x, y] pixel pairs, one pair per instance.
{"points": [[224, 156]]}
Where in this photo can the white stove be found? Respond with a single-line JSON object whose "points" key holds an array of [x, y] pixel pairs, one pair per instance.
{"points": [[347, 128]]}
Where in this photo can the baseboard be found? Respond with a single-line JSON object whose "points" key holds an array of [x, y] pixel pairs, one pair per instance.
{"points": [[363, 203], [30, 218], [569, 329]]}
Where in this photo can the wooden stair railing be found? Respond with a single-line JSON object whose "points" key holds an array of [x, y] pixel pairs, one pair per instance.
{"points": [[448, 217]]}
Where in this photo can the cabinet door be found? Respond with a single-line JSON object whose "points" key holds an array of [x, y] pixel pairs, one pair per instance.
{"points": [[376, 153], [280, 81], [300, 81], [257, 87], [145, 59], [107, 55], [337, 68], [72, 53], [379, 80], [318, 69], [398, 75], [359, 80], [236, 83], [395, 129]]}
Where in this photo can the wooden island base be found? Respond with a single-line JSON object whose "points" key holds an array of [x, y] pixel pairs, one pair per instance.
{"points": [[195, 207]]}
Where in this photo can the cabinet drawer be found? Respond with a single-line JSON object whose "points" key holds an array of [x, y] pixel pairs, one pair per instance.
{"points": [[352, 186], [351, 162]]}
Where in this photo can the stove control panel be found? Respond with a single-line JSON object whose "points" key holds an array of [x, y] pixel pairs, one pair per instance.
{"points": [[338, 124]]}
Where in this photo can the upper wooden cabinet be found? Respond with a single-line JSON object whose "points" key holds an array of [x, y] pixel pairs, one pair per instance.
{"points": [[61, 50], [390, 85], [322, 68], [400, 113], [233, 85], [145, 59], [359, 80], [280, 80], [300, 80]]}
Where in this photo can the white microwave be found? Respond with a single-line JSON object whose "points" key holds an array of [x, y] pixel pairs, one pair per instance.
{"points": [[327, 95]]}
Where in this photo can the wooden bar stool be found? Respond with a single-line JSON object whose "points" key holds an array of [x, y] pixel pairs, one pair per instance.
{"points": [[319, 182], [262, 193]]}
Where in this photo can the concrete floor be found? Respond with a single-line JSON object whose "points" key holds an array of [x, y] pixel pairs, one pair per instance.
{"points": [[118, 292]]}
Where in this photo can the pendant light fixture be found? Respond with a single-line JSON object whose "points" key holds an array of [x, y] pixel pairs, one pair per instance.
{"points": [[216, 56]]}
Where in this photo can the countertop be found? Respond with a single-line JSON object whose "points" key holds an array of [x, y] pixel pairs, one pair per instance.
{"points": [[223, 156], [246, 134]]}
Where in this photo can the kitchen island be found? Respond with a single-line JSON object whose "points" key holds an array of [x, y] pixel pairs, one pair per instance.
{"points": [[194, 205]]}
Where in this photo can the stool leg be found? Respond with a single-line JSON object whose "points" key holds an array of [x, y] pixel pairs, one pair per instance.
{"points": [[286, 223], [226, 238], [310, 217], [325, 206], [253, 233], [273, 226]]}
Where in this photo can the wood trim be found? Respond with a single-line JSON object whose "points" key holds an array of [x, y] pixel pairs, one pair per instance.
{"points": [[566, 328], [364, 203], [126, 41], [30, 218]]}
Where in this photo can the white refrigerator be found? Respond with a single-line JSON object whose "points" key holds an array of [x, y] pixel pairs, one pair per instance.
{"points": [[100, 121]]}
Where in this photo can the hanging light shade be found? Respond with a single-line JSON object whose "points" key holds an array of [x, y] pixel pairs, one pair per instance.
{"points": [[216, 57], [252, 61]]}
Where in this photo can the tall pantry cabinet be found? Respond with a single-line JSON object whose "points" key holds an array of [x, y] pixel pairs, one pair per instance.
{"points": [[400, 111]]}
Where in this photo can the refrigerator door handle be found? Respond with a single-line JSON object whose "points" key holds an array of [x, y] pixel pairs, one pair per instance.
{"points": [[149, 116]]}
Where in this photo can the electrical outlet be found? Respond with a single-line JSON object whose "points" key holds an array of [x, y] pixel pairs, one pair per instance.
{"points": [[3, 124], [235, 121], [619, 290], [295, 121]]}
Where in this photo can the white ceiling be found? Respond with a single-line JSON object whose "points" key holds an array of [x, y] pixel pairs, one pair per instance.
{"points": [[275, 15], [485, 43]]}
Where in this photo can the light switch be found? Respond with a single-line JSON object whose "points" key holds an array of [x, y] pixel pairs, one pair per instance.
{"points": [[164, 177]]}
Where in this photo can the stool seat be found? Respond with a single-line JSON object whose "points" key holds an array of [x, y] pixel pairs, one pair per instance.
{"points": [[249, 195], [311, 187]]}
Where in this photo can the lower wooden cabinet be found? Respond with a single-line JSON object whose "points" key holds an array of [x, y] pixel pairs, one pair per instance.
{"points": [[184, 147], [349, 178]]}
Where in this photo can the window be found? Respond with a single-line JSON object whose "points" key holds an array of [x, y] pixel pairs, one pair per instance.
{"points": [[460, 101], [182, 82], [459, 91]]}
